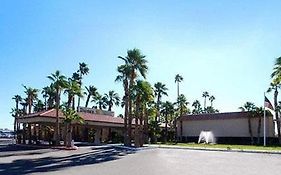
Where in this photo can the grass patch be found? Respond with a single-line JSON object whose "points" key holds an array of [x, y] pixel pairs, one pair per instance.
{"points": [[225, 146]]}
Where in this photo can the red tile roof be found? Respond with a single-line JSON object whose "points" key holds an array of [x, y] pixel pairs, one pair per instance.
{"points": [[215, 116], [84, 115]]}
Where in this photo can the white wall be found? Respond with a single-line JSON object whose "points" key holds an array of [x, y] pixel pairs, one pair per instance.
{"points": [[224, 127]]}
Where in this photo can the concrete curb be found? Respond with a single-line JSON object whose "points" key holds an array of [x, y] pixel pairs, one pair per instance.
{"points": [[216, 149]]}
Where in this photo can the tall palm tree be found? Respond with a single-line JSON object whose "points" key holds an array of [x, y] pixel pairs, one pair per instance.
{"points": [[167, 109], [250, 108], [275, 85], [212, 98], [31, 96], [124, 73], [160, 89], [59, 83], [136, 63], [17, 99], [112, 98], [78, 76], [205, 95], [178, 79], [91, 92]]}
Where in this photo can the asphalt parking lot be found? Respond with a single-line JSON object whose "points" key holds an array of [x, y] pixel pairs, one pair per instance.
{"points": [[107, 160]]}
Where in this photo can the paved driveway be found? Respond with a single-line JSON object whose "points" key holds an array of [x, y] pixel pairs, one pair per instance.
{"points": [[109, 160]]}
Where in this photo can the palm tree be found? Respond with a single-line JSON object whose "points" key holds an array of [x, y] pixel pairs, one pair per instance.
{"points": [[17, 99], [100, 101], [70, 117], [212, 98], [78, 76], [91, 92], [274, 86], [258, 112], [59, 83], [142, 94], [205, 95], [178, 79], [160, 89], [250, 108], [38, 106], [72, 89], [135, 63], [31, 96], [167, 109], [50, 93], [112, 98], [124, 73], [197, 107]]}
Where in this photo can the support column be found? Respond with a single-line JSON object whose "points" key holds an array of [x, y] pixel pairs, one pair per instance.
{"points": [[29, 133], [97, 136], [24, 134]]}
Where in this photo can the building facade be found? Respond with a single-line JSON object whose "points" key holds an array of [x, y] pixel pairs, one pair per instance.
{"points": [[230, 127]]}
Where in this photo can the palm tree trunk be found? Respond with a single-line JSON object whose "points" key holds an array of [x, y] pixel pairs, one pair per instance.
{"points": [[178, 83], [68, 135], [277, 114], [166, 128], [57, 128], [145, 125], [87, 101], [250, 130]]}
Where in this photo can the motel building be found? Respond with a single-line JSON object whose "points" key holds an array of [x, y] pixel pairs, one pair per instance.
{"points": [[98, 127], [229, 127]]}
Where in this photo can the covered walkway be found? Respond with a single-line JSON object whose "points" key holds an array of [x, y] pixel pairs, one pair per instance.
{"points": [[98, 126]]}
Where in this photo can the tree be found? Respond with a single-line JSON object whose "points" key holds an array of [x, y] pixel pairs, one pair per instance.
{"points": [[38, 106], [142, 94], [91, 92], [182, 109], [250, 108], [100, 101], [160, 89], [274, 86], [124, 74], [49, 94], [178, 79], [59, 83], [197, 107], [167, 109], [78, 76], [70, 117], [258, 112], [205, 95], [31, 96], [212, 98], [135, 63], [17, 99], [72, 89], [112, 98]]}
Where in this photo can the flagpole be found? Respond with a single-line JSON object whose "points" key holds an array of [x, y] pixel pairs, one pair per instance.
{"points": [[264, 123]]}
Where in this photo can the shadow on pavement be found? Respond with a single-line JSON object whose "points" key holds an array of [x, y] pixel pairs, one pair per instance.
{"points": [[47, 164]]}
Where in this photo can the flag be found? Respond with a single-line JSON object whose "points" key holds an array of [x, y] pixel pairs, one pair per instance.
{"points": [[267, 103]]}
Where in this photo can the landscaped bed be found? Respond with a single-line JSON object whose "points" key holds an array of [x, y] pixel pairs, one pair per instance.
{"points": [[223, 146]]}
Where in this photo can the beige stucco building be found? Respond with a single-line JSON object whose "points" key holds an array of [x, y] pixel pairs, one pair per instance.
{"points": [[225, 126]]}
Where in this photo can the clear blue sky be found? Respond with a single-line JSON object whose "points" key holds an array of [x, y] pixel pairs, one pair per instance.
{"points": [[224, 47]]}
